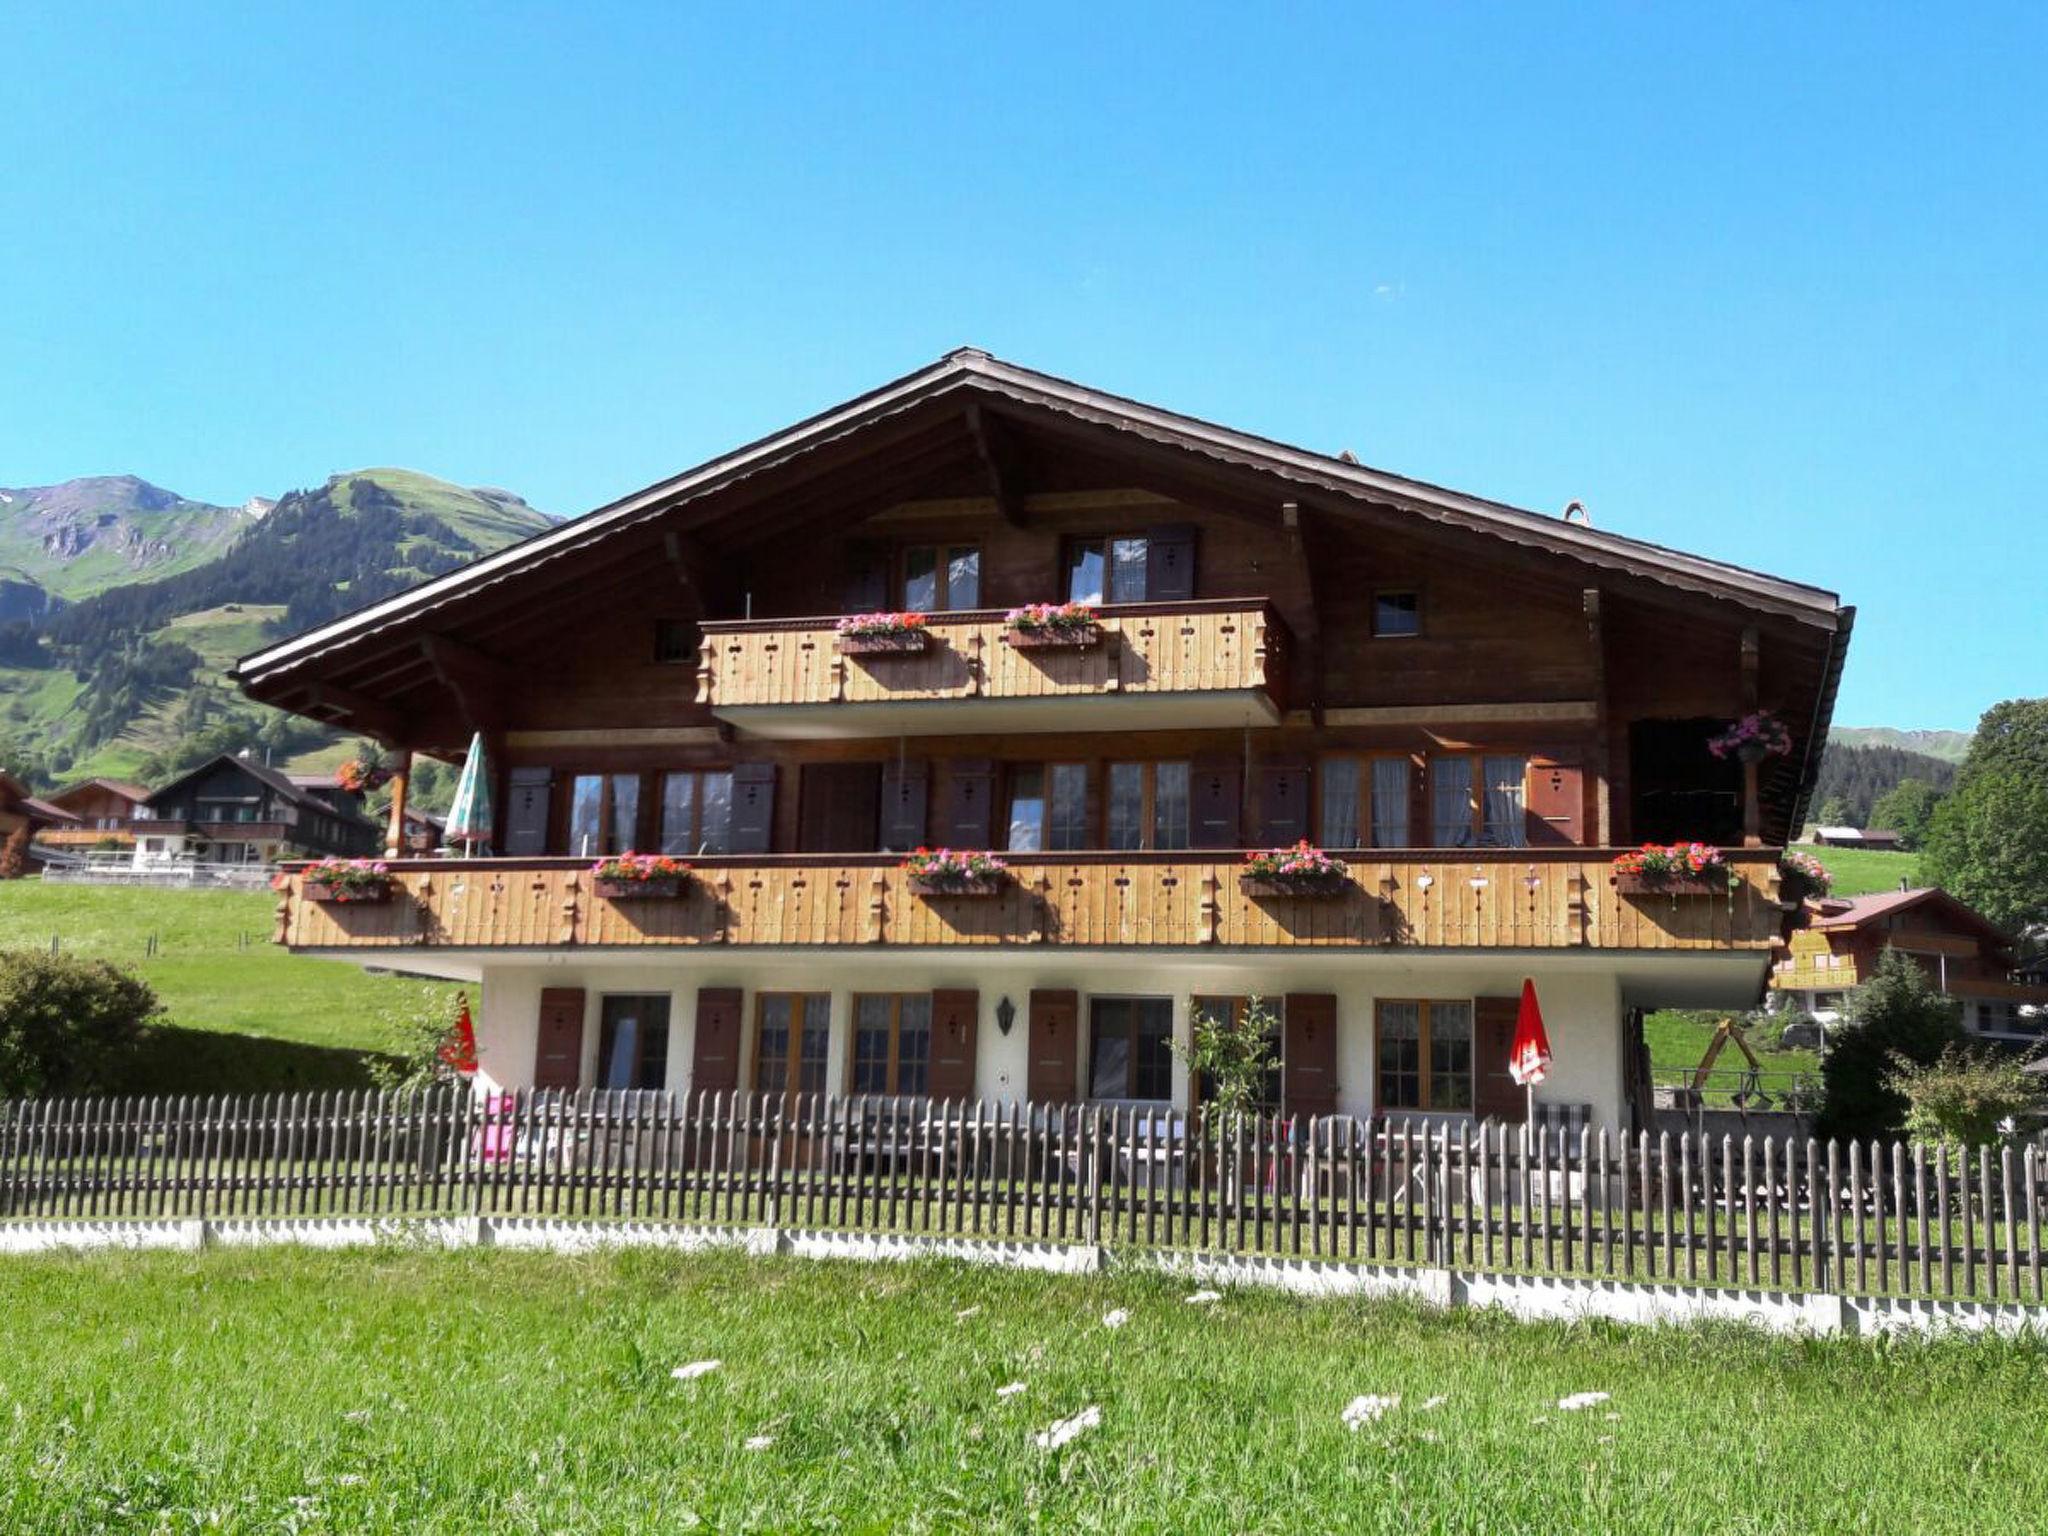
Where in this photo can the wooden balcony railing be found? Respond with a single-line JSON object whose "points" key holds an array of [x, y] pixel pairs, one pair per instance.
{"points": [[1489, 899], [1228, 650]]}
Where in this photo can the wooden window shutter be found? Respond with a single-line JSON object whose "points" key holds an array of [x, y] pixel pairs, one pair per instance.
{"points": [[1053, 1059], [969, 811], [753, 807], [526, 810], [837, 807], [715, 1053], [1283, 804], [867, 578], [1495, 1094], [1170, 564], [955, 1013], [1556, 804], [1309, 1055], [1215, 787], [904, 796], [558, 1050]]}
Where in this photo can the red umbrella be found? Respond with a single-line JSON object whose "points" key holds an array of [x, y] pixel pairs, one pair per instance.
{"points": [[458, 1051], [1529, 1060]]}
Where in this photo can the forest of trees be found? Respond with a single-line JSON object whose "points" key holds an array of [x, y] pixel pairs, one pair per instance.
{"points": [[1853, 779]]}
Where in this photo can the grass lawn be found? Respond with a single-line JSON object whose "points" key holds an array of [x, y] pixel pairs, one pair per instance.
{"points": [[1862, 872], [247, 1016], [398, 1390]]}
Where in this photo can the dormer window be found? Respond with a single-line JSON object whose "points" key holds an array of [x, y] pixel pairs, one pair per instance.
{"points": [[941, 578], [1157, 566], [1396, 614]]}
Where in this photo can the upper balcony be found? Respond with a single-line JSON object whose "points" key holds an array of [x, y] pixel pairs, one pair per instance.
{"points": [[1546, 899], [1151, 666]]}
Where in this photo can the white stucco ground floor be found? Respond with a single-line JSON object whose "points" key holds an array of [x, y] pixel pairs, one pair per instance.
{"points": [[1410, 1031]]}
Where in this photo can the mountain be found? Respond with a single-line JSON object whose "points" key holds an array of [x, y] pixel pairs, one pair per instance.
{"points": [[125, 678], [1854, 777], [1949, 746]]}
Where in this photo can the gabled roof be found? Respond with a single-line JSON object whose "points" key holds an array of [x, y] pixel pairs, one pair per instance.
{"points": [[14, 796], [1840, 914], [294, 790], [121, 787], [968, 374]]}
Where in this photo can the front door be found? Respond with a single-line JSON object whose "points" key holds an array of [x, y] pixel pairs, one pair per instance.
{"points": [[558, 1053]]}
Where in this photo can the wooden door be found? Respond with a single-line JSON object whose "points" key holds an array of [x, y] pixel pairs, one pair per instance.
{"points": [[1309, 1054], [955, 1015], [1283, 804], [558, 1051], [867, 578], [1557, 804], [715, 1053], [967, 818], [1170, 564], [526, 811], [838, 807], [903, 806], [1215, 786], [1052, 1045], [753, 807], [1495, 1093]]}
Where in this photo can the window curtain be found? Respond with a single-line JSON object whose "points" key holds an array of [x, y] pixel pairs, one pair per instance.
{"points": [[1506, 826]]}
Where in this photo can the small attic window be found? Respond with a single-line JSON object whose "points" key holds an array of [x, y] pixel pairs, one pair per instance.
{"points": [[676, 642], [1396, 613]]}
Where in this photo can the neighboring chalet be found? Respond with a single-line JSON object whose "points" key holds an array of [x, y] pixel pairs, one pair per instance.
{"points": [[1869, 838], [233, 810], [106, 809], [1471, 704], [1963, 954], [23, 819]]}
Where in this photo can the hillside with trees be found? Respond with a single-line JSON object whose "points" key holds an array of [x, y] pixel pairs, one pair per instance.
{"points": [[1853, 779]]}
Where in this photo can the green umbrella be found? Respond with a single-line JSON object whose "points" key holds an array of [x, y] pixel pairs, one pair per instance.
{"points": [[469, 818]]}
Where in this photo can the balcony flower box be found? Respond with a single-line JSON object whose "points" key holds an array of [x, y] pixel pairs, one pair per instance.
{"points": [[1298, 871], [1053, 627], [1679, 869], [945, 872], [639, 877], [1802, 877], [346, 882], [883, 634]]}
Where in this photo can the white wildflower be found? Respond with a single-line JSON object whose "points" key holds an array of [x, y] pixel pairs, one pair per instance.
{"points": [[358, 1416], [1430, 1437], [1009, 1389], [695, 1369], [348, 1479], [1580, 1400], [1362, 1410], [965, 1313], [1205, 1298], [1435, 1402], [1614, 1418], [760, 1442], [1064, 1430], [1116, 1318]]}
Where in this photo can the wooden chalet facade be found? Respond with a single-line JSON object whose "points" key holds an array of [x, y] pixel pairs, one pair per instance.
{"points": [[232, 810], [106, 810], [1470, 704]]}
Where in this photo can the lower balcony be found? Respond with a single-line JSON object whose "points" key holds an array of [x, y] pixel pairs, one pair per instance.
{"points": [[1438, 899]]}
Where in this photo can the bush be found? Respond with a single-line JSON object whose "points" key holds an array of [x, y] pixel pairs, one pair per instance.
{"points": [[68, 1025], [1967, 1098], [1897, 1017]]}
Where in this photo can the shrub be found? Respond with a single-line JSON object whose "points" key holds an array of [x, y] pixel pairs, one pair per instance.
{"points": [[1895, 1016], [417, 1026], [1966, 1098], [67, 1024], [1233, 1057]]}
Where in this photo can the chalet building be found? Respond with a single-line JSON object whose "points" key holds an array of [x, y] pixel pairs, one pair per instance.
{"points": [[233, 810], [106, 810], [1469, 704], [24, 818], [1963, 953]]}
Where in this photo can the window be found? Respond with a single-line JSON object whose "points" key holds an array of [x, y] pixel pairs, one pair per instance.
{"points": [[632, 1042], [696, 812], [892, 1042], [604, 812], [1396, 614], [1148, 805], [1478, 802], [1130, 1050], [791, 1042], [1048, 807], [676, 642], [1450, 802], [1424, 1055], [941, 578], [1504, 824], [1234, 1009], [1108, 570], [1364, 802]]}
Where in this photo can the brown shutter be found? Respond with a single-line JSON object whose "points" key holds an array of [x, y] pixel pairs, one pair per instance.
{"points": [[1170, 564], [1214, 790], [1556, 804], [968, 815], [867, 578], [904, 795], [954, 1015], [1283, 804], [715, 1054], [1496, 1095], [1053, 1051], [558, 1053], [1309, 1054], [753, 807], [526, 811], [837, 806]]}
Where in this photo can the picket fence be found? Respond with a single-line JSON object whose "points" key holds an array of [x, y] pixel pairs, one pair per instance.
{"points": [[1871, 1219]]}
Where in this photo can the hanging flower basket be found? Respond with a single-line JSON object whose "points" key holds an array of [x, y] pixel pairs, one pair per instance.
{"points": [[346, 882], [1802, 877], [359, 776], [639, 877], [1297, 871], [1676, 869], [883, 634], [1053, 627], [944, 872], [1753, 738]]}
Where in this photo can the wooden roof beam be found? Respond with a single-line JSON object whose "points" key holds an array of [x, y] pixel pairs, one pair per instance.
{"points": [[357, 712], [997, 452], [1293, 527], [481, 683]]}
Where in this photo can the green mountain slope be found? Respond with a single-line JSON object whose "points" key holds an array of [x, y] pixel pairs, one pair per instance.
{"points": [[1949, 746], [87, 535]]}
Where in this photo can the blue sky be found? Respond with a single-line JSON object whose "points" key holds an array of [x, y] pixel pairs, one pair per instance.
{"points": [[1764, 283]]}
